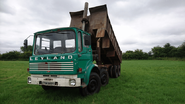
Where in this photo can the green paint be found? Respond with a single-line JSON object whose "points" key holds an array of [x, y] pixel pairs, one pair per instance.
{"points": [[79, 59]]}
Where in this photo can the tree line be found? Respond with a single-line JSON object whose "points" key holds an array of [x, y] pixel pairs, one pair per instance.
{"points": [[157, 52], [24, 54], [169, 51]]}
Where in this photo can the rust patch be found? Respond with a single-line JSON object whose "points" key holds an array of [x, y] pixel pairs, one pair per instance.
{"points": [[99, 20], [105, 42], [110, 54], [100, 33]]}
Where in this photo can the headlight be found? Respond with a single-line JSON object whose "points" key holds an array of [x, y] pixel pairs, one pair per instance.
{"points": [[29, 80], [72, 82]]}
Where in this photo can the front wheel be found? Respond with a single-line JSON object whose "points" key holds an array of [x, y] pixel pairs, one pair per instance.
{"points": [[93, 86]]}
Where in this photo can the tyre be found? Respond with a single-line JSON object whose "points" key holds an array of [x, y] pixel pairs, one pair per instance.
{"points": [[115, 71], [110, 71], [104, 77], [119, 70], [93, 86]]}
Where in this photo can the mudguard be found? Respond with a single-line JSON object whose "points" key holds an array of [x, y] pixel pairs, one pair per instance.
{"points": [[88, 72]]}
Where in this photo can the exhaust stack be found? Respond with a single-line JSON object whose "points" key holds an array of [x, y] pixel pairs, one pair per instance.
{"points": [[84, 16]]}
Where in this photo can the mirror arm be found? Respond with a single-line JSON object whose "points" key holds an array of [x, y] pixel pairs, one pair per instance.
{"points": [[28, 36], [26, 42]]}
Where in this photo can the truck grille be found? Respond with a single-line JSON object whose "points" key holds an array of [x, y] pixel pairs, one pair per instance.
{"points": [[51, 66]]}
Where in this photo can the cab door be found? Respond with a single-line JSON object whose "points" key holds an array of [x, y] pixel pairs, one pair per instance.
{"points": [[84, 52]]}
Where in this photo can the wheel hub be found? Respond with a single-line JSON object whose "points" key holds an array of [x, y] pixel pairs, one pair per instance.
{"points": [[92, 85], [104, 78]]}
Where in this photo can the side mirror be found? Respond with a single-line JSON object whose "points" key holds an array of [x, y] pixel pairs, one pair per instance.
{"points": [[25, 44], [87, 40]]}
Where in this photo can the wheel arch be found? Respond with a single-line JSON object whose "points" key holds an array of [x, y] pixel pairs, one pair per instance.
{"points": [[96, 70], [89, 70]]}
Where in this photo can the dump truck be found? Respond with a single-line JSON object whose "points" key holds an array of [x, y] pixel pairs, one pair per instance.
{"points": [[83, 55]]}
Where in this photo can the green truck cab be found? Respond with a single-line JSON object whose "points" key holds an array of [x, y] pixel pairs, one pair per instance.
{"points": [[61, 57], [64, 57]]}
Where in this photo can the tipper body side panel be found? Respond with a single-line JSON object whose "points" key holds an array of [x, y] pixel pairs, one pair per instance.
{"points": [[106, 50]]}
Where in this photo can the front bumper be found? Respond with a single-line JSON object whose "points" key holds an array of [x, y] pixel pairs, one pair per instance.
{"points": [[55, 80]]}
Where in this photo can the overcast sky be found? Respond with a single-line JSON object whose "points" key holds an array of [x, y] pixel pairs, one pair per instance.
{"points": [[137, 24]]}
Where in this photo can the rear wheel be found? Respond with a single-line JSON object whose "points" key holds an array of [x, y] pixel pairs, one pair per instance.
{"points": [[110, 71], [104, 77], [93, 86], [115, 71]]}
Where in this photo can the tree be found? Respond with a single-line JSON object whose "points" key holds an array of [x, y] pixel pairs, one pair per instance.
{"points": [[12, 55], [149, 53], [25, 55], [26, 52], [181, 50], [29, 48], [0, 56], [158, 51], [173, 52], [137, 54], [167, 48]]}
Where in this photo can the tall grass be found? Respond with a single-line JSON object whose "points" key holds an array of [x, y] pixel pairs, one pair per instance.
{"points": [[141, 81]]}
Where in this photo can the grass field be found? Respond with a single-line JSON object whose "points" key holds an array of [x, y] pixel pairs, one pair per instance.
{"points": [[141, 81]]}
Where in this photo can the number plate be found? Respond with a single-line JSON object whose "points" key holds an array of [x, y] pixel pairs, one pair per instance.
{"points": [[48, 83]]}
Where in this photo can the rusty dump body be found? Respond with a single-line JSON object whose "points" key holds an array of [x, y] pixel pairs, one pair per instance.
{"points": [[106, 50]]}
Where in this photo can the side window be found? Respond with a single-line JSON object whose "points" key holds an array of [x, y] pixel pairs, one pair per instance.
{"points": [[84, 41], [79, 42], [38, 43]]}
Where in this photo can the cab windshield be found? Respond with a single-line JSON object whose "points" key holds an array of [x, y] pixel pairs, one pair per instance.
{"points": [[55, 42]]}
